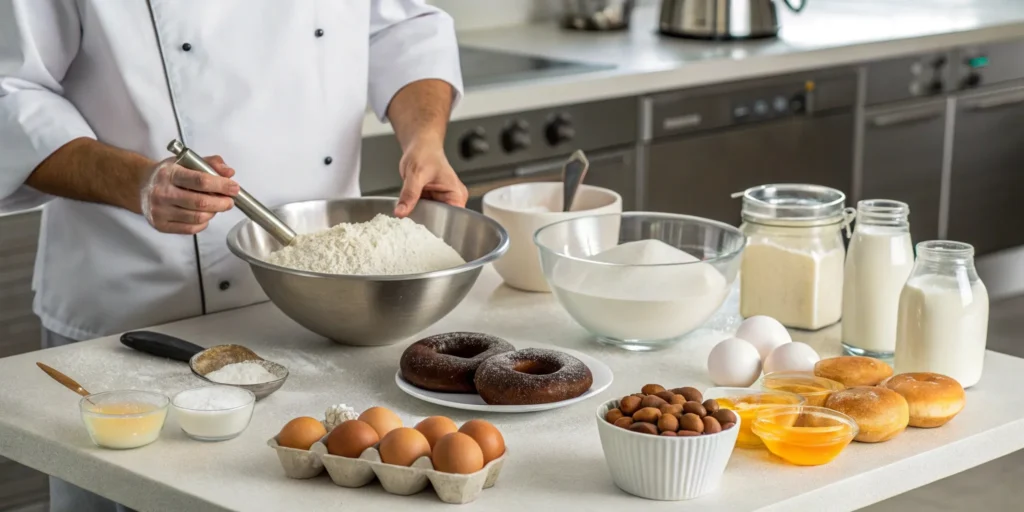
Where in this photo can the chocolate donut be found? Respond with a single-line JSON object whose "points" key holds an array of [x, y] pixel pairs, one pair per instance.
{"points": [[532, 376], [448, 362]]}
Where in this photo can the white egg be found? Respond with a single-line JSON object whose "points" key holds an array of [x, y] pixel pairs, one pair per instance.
{"points": [[791, 357], [764, 333], [734, 362]]}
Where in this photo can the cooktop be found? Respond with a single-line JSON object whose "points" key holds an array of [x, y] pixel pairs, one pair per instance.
{"points": [[481, 67]]}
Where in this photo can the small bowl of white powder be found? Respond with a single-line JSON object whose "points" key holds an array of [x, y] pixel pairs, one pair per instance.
{"points": [[213, 413], [235, 365], [640, 281]]}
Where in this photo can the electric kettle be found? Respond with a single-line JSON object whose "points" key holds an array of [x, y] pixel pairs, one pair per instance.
{"points": [[723, 19]]}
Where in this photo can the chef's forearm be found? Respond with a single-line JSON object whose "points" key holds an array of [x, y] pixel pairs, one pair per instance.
{"points": [[88, 170], [419, 113]]}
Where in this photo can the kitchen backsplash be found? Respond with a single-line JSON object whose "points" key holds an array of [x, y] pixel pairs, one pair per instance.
{"points": [[480, 14]]}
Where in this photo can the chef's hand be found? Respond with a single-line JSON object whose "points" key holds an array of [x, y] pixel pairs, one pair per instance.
{"points": [[182, 201], [426, 173]]}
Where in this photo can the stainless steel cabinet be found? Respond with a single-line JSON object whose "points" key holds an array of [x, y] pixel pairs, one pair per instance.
{"points": [[903, 153], [19, 327], [695, 175], [987, 174]]}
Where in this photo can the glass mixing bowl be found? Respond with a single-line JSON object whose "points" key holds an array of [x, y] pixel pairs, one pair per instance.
{"points": [[640, 281]]}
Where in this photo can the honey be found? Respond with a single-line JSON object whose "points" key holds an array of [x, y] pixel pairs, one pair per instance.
{"points": [[815, 390], [746, 406], [804, 435]]}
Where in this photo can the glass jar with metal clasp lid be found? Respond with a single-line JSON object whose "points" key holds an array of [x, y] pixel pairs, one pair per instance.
{"points": [[792, 268]]}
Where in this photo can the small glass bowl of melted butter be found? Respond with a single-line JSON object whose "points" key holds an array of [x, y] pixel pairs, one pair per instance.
{"points": [[746, 402], [804, 435], [814, 389], [124, 419]]}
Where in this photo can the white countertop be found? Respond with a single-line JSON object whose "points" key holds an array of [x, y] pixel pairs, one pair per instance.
{"points": [[556, 461], [827, 33]]}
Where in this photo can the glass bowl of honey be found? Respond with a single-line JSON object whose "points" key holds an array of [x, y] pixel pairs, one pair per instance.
{"points": [[814, 389], [746, 402], [804, 435], [124, 419]]}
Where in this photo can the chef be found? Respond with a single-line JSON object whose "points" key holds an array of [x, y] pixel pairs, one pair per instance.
{"points": [[92, 91]]}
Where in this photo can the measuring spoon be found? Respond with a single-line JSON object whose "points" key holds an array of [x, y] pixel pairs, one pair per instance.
{"points": [[202, 361]]}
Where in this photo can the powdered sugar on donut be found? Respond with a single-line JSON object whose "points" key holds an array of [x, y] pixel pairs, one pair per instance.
{"points": [[500, 382]]}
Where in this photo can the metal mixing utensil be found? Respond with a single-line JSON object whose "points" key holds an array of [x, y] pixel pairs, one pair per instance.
{"points": [[66, 381], [202, 361], [245, 202], [573, 172]]}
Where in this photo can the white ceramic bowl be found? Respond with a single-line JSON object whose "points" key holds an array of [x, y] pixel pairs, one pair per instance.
{"points": [[664, 468], [524, 208]]}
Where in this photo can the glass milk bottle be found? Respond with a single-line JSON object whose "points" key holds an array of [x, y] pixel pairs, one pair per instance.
{"points": [[878, 263], [943, 314]]}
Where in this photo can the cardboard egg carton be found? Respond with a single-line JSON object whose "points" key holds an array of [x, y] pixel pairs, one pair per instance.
{"points": [[400, 480], [298, 464]]}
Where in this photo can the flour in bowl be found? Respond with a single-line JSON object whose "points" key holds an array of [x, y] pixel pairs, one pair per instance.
{"points": [[382, 246]]}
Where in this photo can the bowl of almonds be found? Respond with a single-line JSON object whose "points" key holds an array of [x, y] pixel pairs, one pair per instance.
{"points": [[666, 444]]}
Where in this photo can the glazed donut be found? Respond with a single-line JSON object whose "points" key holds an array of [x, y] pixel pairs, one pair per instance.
{"points": [[448, 362], [853, 371], [881, 414], [933, 399], [532, 376]]}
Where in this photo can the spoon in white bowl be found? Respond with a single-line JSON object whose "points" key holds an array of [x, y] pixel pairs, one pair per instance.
{"points": [[573, 172]]}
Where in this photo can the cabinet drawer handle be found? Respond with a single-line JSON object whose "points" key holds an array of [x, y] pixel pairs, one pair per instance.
{"points": [[680, 122], [912, 116], [1001, 101]]}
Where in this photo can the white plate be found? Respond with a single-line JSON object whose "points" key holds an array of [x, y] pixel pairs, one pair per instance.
{"points": [[472, 402]]}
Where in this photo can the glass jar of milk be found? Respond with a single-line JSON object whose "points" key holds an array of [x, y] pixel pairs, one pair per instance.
{"points": [[943, 314], [792, 268], [878, 263]]}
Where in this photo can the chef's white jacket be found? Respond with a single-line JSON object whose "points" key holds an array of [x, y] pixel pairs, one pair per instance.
{"points": [[278, 88]]}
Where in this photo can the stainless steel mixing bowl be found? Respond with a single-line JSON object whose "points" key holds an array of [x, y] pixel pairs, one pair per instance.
{"points": [[370, 310]]}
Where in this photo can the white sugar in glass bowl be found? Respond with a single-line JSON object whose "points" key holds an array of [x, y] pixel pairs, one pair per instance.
{"points": [[664, 468], [213, 413], [524, 208], [640, 281]]}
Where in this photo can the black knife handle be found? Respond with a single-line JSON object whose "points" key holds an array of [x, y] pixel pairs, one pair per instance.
{"points": [[161, 345]]}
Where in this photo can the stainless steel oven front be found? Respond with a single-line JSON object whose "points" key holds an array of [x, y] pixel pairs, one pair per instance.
{"points": [[521, 147]]}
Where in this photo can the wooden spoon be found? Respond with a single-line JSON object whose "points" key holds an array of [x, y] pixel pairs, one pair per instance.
{"points": [[66, 381]]}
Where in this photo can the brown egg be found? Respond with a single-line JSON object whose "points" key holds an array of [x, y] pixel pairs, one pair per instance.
{"points": [[402, 446], [350, 439], [457, 453], [382, 420], [301, 433], [487, 436], [436, 427]]}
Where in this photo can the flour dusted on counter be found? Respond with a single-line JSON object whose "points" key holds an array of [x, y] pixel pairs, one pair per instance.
{"points": [[246, 372], [382, 246], [641, 302]]}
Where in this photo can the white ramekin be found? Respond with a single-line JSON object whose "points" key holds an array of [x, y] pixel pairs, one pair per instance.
{"points": [[524, 208], [664, 468]]}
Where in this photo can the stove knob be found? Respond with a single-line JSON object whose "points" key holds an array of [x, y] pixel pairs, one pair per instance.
{"points": [[936, 87], [474, 144], [972, 80], [515, 137], [559, 131]]}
